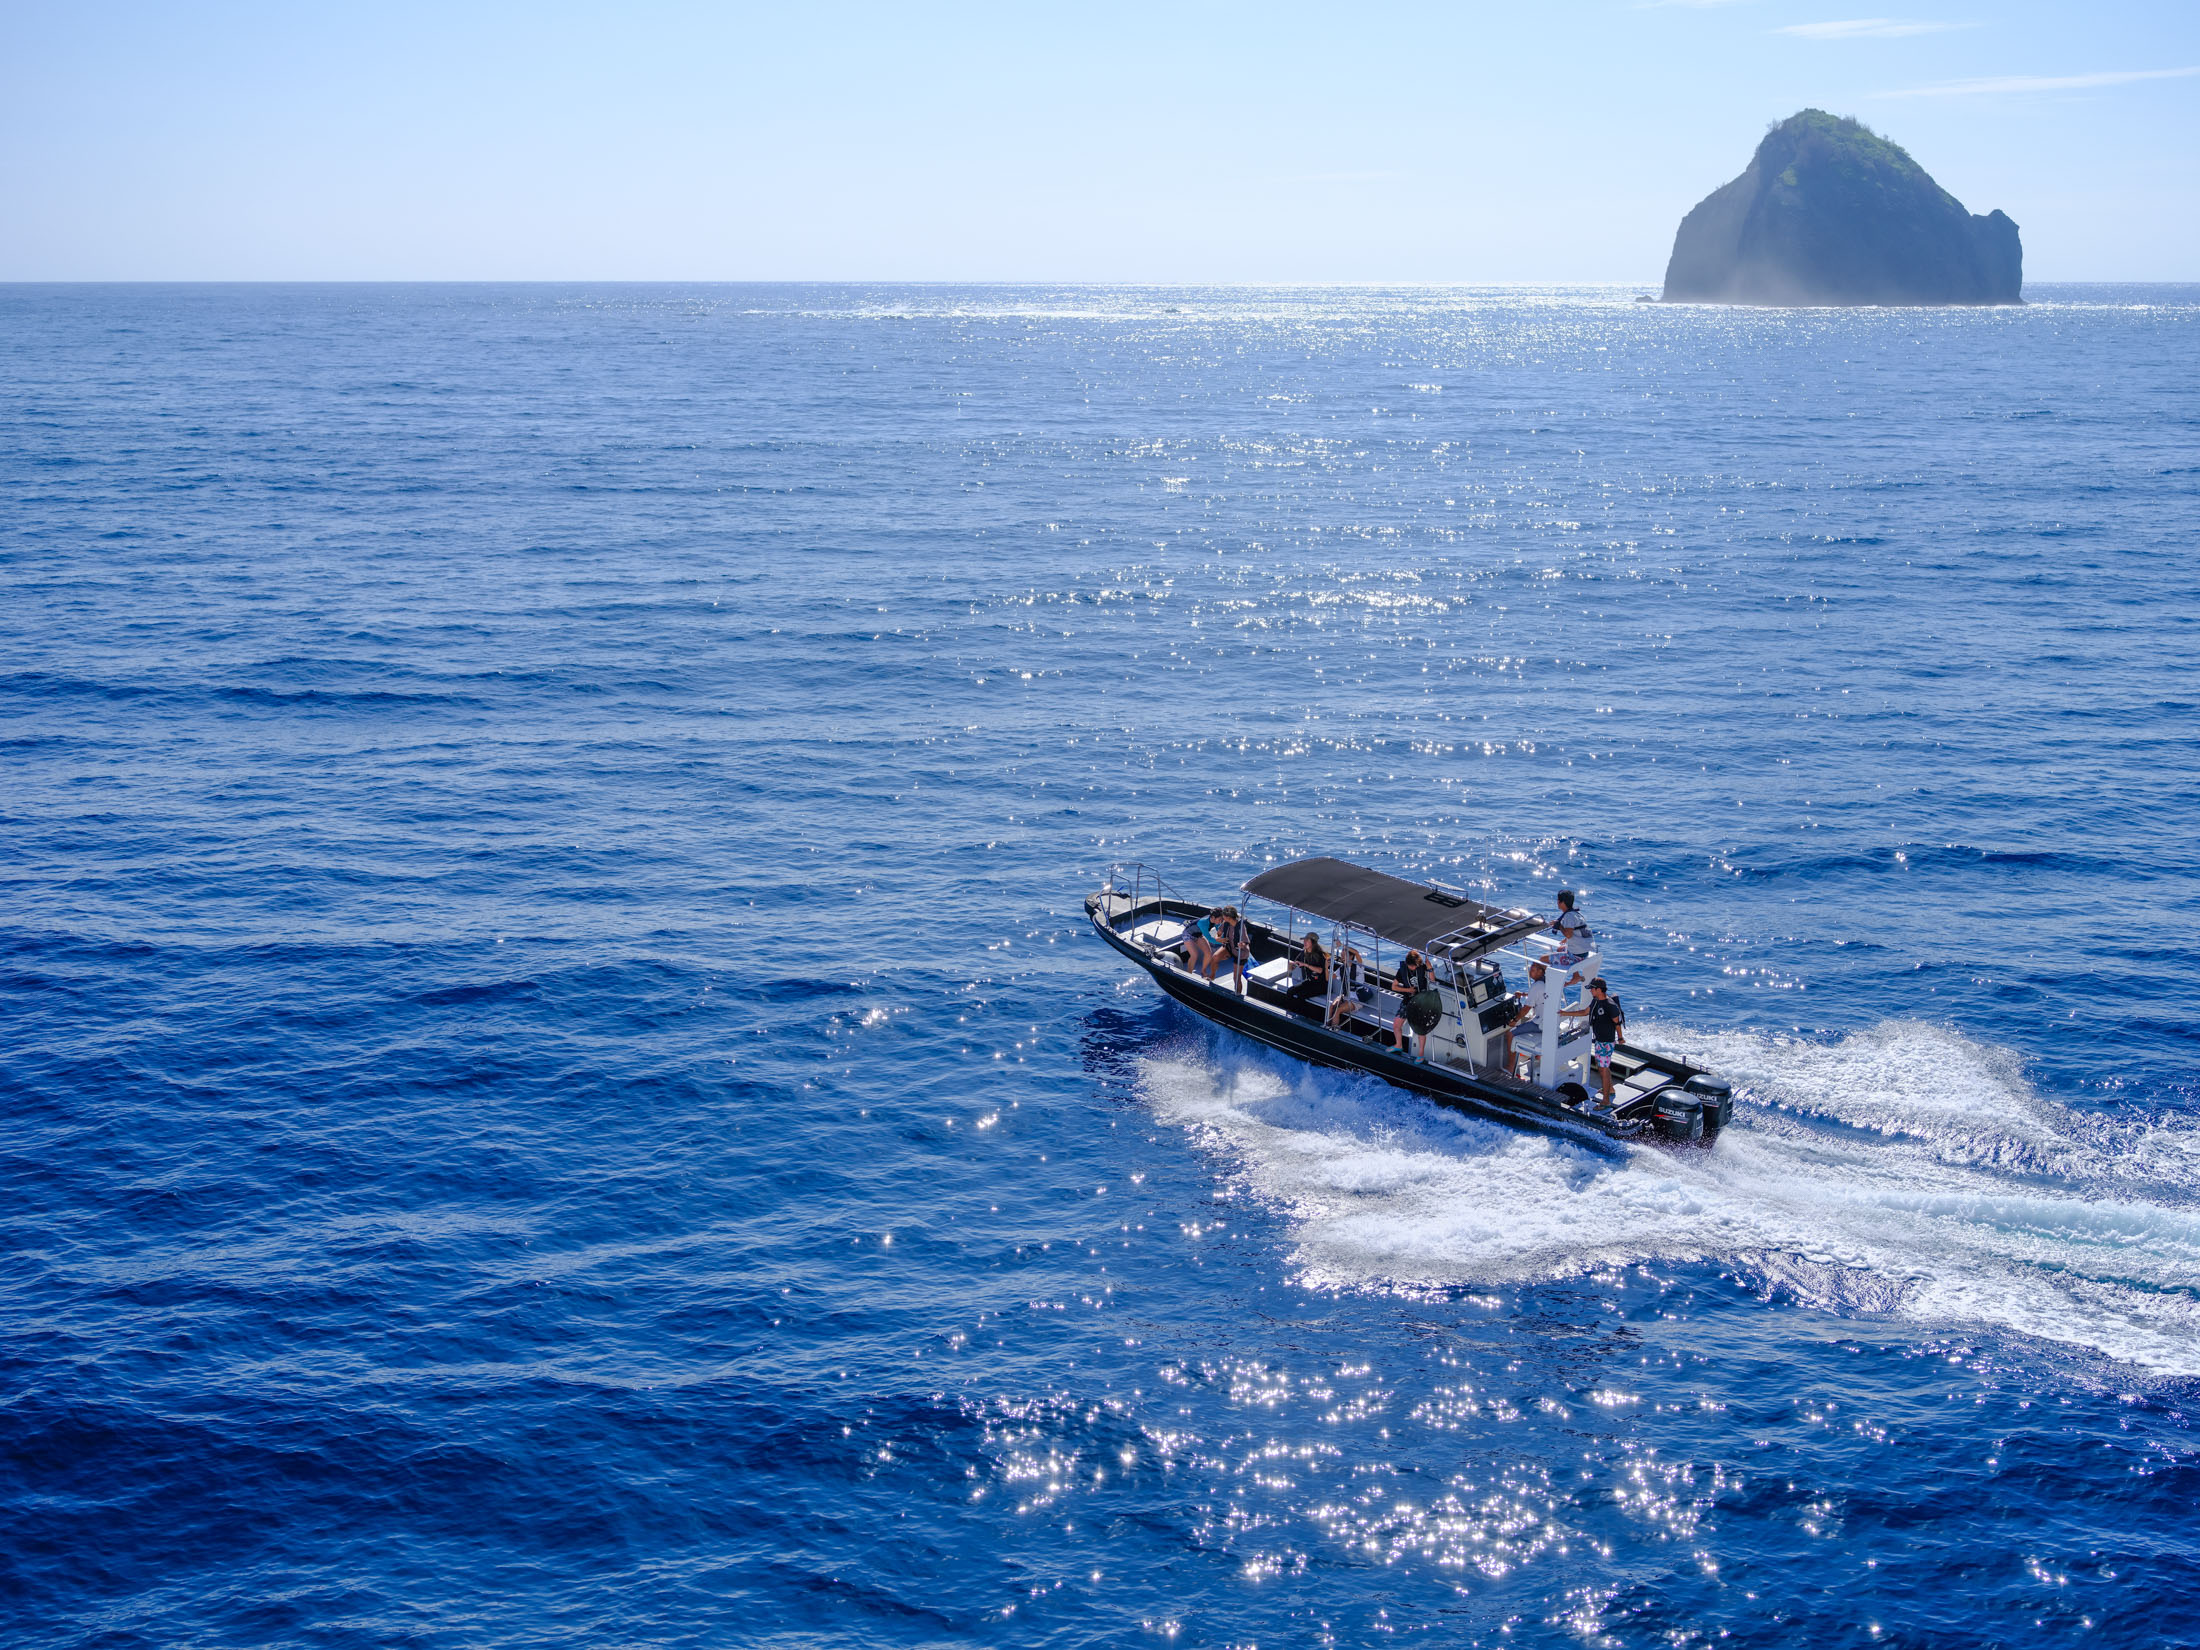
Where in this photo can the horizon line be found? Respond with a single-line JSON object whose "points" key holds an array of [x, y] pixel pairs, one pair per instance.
{"points": [[928, 281]]}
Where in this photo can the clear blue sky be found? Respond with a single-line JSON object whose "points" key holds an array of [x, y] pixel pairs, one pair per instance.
{"points": [[1187, 142]]}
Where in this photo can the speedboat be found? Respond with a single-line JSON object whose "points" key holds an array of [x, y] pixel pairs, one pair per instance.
{"points": [[1468, 946]]}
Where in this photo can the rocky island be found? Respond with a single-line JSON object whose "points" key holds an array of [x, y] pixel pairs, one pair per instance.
{"points": [[1830, 212]]}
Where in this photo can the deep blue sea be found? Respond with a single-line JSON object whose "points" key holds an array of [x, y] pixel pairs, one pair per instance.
{"points": [[556, 1091]]}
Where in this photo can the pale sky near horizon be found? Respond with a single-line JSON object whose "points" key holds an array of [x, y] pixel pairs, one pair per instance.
{"points": [[1188, 143]]}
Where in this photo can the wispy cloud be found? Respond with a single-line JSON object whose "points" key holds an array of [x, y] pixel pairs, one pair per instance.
{"points": [[1866, 28], [2041, 83]]}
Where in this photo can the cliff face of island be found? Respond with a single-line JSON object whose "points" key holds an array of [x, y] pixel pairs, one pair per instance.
{"points": [[1829, 212]]}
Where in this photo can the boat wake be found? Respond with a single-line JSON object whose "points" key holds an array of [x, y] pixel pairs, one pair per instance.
{"points": [[1906, 1170]]}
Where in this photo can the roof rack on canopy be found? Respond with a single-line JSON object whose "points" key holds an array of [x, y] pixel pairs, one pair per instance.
{"points": [[1417, 914]]}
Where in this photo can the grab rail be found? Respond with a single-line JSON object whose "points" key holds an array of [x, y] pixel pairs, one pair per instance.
{"points": [[1140, 874]]}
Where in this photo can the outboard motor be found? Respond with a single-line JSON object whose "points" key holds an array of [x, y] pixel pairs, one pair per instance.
{"points": [[1717, 1095], [1680, 1115]]}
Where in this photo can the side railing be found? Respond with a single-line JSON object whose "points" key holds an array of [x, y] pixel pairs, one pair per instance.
{"points": [[1146, 886]]}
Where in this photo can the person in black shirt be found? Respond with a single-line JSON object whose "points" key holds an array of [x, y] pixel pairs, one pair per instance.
{"points": [[1417, 1001], [1607, 1025], [1311, 964]]}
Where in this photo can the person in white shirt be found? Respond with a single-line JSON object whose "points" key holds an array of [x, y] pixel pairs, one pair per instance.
{"points": [[1540, 996], [1527, 1026]]}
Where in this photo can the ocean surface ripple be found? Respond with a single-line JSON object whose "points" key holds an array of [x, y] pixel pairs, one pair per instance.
{"points": [[557, 1091]]}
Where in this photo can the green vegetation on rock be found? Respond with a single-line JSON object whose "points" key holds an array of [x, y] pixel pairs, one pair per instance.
{"points": [[1830, 212]]}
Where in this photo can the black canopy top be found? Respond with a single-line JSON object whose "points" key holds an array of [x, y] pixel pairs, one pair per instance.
{"points": [[1406, 913]]}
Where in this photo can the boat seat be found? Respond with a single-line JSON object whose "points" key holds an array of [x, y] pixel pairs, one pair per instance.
{"points": [[1276, 972], [1159, 931]]}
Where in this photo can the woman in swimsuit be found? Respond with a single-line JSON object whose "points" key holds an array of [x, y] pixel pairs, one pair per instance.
{"points": [[1199, 941], [1226, 936]]}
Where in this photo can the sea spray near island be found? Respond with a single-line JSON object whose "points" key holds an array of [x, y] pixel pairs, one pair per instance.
{"points": [[558, 1089]]}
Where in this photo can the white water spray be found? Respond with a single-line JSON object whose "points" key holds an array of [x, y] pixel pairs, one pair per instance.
{"points": [[1905, 1170]]}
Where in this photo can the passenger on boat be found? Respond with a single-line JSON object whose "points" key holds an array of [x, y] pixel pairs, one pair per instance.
{"points": [[1607, 1025], [1347, 984], [1573, 933], [1527, 1022], [1309, 969], [1221, 940], [1542, 995], [1518, 1022], [1227, 938], [1199, 940], [1418, 1001]]}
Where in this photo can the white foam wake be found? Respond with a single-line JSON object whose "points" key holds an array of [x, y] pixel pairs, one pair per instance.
{"points": [[1906, 1170]]}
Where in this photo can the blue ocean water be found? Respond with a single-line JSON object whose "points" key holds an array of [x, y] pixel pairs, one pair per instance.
{"points": [[556, 1092]]}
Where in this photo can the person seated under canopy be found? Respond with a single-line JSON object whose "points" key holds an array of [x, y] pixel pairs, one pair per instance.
{"points": [[1347, 985], [1309, 969]]}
